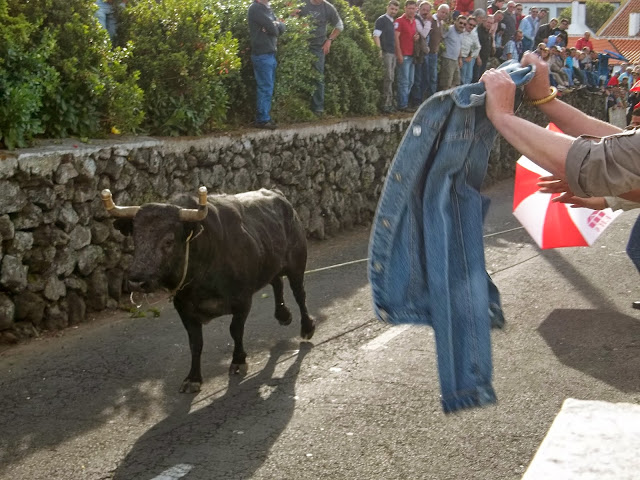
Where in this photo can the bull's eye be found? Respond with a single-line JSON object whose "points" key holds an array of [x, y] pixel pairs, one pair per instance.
{"points": [[167, 242]]}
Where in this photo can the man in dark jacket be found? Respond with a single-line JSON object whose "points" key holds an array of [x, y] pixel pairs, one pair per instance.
{"points": [[264, 30]]}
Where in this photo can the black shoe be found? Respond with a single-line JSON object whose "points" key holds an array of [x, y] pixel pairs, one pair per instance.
{"points": [[636, 305], [269, 125], [408, 109], [388, 110]]}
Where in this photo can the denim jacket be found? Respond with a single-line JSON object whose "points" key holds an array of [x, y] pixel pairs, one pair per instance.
{"points": [[426, 252]]}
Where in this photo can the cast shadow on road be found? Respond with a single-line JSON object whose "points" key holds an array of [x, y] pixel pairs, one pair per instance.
{"points": [[229, 438], [603, 344]]}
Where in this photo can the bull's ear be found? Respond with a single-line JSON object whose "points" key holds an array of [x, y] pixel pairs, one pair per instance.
{"points": [[124, 225]]}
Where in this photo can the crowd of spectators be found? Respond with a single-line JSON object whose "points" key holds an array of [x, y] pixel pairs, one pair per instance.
{"points": [[453, 45]]}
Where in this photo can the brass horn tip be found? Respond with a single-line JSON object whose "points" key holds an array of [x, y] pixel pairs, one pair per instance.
{"points": [[105, 194], [202, 190]]}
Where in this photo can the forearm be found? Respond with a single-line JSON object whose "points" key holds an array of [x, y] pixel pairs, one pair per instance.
{"points": [[542, 146], [574, 122]]}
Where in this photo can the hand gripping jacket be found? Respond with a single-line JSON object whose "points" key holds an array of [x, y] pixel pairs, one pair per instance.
{"points": [[426, 252]]}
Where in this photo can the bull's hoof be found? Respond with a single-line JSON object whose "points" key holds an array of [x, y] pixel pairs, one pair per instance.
{"points": [[283, 315], [238, 369], [308, 329], [189, 386]]}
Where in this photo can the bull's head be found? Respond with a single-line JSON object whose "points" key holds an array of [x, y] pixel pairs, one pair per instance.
{"points": [[160, 232]]}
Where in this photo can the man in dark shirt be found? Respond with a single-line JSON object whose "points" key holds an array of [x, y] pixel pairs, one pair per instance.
{"points": [[264, 30], [544, 31], [561, 32], [485, 25], [384, 38], [322, 13]]}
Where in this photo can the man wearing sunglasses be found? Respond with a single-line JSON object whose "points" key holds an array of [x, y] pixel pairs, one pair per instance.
{"points": [[451, 62]]}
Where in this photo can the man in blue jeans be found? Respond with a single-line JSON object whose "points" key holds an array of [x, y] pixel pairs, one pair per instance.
{"points": [[405, 34], [322, 13], [264, 30]]}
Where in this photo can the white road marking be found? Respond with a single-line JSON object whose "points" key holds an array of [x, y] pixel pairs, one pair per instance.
{"points": [[174, 473], [386, 337]]}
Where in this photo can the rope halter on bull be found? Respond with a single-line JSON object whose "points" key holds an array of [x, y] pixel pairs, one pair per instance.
{"points": [[185, 215]]}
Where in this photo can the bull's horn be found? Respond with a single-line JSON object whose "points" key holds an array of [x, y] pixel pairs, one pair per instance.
{"points": [[195, 215], [113, 209]]}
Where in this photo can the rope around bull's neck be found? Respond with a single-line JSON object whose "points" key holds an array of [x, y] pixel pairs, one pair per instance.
{"points": [[181, 285]]}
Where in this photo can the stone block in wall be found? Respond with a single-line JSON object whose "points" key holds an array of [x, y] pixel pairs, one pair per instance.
{"points": [[56, 317], [75, 283], [30, 216], [65, 260], [22, 242], [114, 167], [14, 274], [115, 281], [88, 258], [97, 290], [40, 260], [40, 166], [77, 308], [7, 312], [30, 308], [65, 173], [12, 198], [7, 230], [68, 217], [99, 232], [54, 288]]}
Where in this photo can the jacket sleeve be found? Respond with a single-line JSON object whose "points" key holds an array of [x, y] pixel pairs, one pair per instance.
{"points": [[607, 166]]}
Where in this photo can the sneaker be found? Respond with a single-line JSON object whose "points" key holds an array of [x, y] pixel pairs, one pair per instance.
{"points": [[268, 125]]}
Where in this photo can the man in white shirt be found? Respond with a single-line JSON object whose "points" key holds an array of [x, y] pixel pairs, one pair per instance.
{"points": [[469, 50]]}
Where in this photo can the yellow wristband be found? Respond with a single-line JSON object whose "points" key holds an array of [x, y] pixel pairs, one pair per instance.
{"points": [[553, 91]]}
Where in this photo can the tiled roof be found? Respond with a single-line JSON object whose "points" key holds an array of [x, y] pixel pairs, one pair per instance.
{"points": [[629, 48], [618, 24]]}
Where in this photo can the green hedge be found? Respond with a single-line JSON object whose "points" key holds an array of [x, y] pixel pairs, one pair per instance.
{"points": [[180, 67]]}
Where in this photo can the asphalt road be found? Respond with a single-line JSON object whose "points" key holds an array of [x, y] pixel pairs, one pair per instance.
{"points": [[361, 401]]}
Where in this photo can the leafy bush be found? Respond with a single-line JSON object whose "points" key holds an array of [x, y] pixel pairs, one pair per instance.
{"points": [[295, 76], [353, 69], [89, 83], [25, 78], [183, 58], [372, 9]]}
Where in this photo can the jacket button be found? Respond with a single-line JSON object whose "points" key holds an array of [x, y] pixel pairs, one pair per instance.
{"points": [[417, 130]]}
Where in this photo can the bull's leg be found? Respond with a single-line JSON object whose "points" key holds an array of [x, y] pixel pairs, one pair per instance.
{"points": [[308, 325], [239, 361], [283, 314], [192, 383]]}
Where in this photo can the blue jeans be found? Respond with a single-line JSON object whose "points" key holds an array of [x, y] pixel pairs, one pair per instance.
{"points": [[466, 72], [405, 80], [633, 246], [317, 99], [426, 252], [264, 69], [420, 82], [527, 44], [432, 74], [106, 17]]}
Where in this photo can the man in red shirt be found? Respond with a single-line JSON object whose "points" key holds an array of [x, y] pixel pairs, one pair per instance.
{"points": [[463, 7], [584, 42], [405, 34]]}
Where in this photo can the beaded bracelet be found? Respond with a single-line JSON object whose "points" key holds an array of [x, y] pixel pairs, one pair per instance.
{"points": [[553, 91]]}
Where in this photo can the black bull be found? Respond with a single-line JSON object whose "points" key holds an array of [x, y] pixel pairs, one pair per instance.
{"points": [[213, 255]]}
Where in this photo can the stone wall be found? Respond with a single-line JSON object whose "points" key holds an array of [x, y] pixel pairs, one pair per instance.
{"points": [[60, 256]]}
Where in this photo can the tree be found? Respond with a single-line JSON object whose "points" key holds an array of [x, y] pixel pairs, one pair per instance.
{"points": [[598, 12]]}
